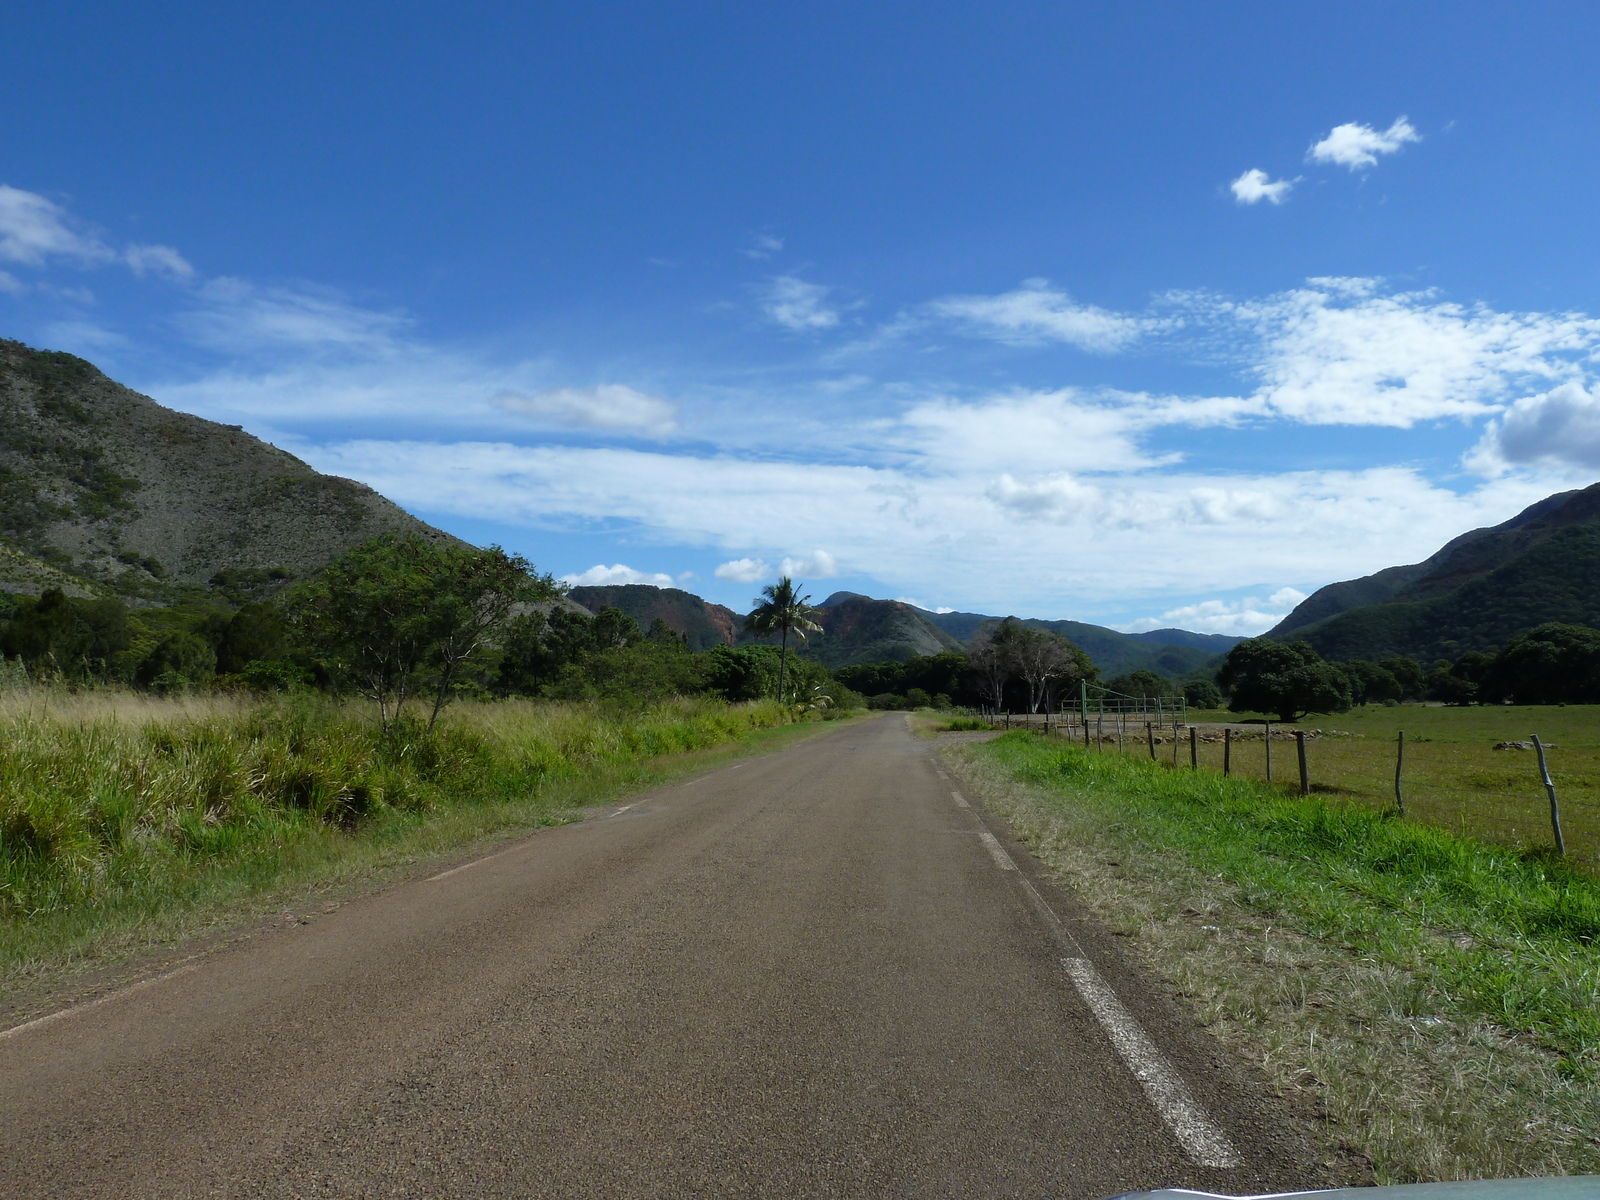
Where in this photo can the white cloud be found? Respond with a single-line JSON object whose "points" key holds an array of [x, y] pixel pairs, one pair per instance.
{"points": [[915, 603], [820, 565], [799, 306], [609, 407], [1034, 314], [1355, 145], [763, 245], [1558, 428], [744, 570], [1025, 431], [157, 260], [34, 229], [1063, 500], [601, 575], [238, 317], [1341, 351], [11, 285], [1246, 617], [1254, 186]]}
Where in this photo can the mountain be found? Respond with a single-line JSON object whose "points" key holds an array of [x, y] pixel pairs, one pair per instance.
{"points": [[859, 629], [1177, 653], [104, 490], [1476, 593], [703, 623]]}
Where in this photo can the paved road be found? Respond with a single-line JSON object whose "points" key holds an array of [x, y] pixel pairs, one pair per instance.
{"points": [[804, 975]]}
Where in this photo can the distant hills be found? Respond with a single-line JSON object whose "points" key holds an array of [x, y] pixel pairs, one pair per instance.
{"points": [[1476, 593], [860, 629], [103, 490]]}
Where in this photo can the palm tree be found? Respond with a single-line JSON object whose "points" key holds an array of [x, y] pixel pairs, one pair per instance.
{"points": [[782, 609]]}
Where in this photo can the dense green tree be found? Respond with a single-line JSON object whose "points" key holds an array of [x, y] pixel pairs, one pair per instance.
{"points": [[1202, 693], [782, 610], [257, 632], [179, 656], [1553, 664], [1287, 678], [1409, 674], [1145, 683], [1371, 683], [56, 634]]}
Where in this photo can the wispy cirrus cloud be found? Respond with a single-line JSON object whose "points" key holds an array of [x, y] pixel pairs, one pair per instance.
{"points": [[1356, 146], [1035, 314], [798, 306]]}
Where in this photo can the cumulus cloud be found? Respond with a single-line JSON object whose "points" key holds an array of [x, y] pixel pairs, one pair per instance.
{"points": [[1255, 186], [601, 575], [1035, 314], [744, 570], [1064, 500], [1559, 428], [818, 565], [1245, 617], [799, 306], [157, 260], [609, 408], [1342, 351], [1356, 146], [11, 285]]}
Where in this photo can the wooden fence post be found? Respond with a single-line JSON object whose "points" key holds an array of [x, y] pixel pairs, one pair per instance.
{"points": [[1100, 734], [1174, 743], [1150, 737], [1399, 761], [1268, 740], [1194, 750], [1227, 750], [1555, 807], [1300, 745]]}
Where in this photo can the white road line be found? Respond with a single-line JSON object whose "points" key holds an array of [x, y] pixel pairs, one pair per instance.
{"points": [[996, 851], [1199, 1136], [961, 801], [81, 1008], [464, 866]]}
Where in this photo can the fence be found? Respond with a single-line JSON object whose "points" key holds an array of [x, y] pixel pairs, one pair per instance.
{"points": [[1487, 789]]}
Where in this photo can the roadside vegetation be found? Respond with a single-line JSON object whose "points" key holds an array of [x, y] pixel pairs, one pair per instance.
{"points": [[1431, 994], [125, 820], [158, 766]]}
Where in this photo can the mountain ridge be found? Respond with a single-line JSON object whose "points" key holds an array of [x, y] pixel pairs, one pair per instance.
{"points": [[1475, 593]]}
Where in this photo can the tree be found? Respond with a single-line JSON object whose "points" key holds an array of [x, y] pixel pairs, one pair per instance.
{"points": [[782, 610], [993, 656], [1202, 693], [368, 613], [475, 592], [1553, 664], [1047, 660], [1408, 673], [1371, 683], [1288, 678]]}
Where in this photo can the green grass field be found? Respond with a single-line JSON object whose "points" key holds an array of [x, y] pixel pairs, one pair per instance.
{"points": [[1433, 994], [1453, 779]]}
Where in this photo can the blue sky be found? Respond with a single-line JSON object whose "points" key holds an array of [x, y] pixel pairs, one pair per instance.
{"points": [[1143, 314]]}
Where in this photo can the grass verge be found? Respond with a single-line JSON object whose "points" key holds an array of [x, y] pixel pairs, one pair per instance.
{"points": [[1434, 995], [128, 825]]}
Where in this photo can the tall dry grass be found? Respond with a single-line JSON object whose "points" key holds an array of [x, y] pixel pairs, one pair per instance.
{"points": [[116, 807]]}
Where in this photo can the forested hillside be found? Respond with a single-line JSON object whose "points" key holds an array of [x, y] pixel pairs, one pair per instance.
{"points": [[1474, 595]]}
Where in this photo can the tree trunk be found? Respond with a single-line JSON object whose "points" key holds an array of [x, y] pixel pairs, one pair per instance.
{"points": [[783, 662]]}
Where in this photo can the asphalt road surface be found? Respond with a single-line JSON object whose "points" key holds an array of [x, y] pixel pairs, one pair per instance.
{"points": [[814, 973]]}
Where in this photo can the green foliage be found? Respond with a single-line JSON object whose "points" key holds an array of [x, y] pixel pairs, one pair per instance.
{"points": [[1380, 886], [1202, 693], [1145, 683], [1372, 683], [1553, 664], [946, 674], [58, 635], [1287, 678], [782, 610], [100, 813]]}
